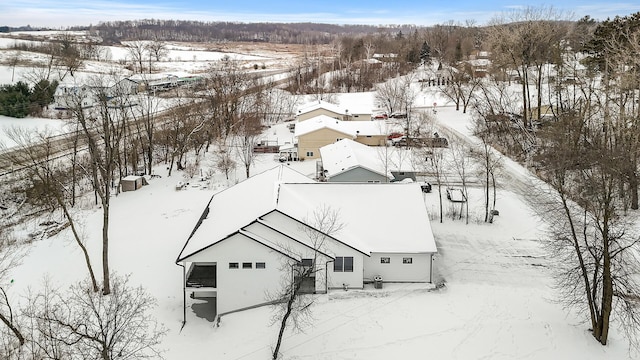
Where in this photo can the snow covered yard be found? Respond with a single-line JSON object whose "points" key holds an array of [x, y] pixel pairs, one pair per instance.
{"points": [[497, 303]]}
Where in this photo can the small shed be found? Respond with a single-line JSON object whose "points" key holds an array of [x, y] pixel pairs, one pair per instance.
{"points": [[133, 183]]}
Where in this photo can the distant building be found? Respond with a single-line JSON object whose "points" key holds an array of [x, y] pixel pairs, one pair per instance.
{"points": [[320, 107], [322, 130], [350, 161]]}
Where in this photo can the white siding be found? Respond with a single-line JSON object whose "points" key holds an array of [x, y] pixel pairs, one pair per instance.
{"points": [[350, 279], [335, 248], [418, 271], [240, 288]]}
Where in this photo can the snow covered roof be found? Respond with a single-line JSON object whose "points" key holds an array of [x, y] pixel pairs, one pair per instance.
{"points": [[372, 220], [358, 102], [320, 104], [352, 128], [347, 154], [131, 178], [235, 207], [404, 229]]}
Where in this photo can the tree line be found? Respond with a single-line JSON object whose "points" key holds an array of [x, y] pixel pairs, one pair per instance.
{"points": [[189, 30]]}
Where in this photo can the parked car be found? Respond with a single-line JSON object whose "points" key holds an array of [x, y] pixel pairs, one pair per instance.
{"points": [[399, 141], [380, 116], [395, 135], [398, 115]]}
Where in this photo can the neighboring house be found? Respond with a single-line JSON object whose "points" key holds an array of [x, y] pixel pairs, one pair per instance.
{"points": [[480, 67], [68, 96], [318, 108], [126, 87], [350, 161], [355, 111], [322, 130], [251, 235]]}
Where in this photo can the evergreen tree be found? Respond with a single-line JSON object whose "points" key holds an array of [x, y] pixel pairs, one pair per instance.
{"points": [[425, 53]]}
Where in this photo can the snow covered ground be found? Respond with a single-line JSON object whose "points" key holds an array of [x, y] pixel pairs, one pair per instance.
{"points": [[52, 126], [498, 302]]}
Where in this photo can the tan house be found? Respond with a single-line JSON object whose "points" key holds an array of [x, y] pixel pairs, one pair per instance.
{"points": [[323, 130]]}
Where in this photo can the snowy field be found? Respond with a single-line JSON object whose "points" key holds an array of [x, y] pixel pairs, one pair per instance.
{"points": [[7, 124]]}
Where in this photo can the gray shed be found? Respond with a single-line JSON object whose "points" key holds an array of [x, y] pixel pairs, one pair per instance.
{"points": [[133, 182]]}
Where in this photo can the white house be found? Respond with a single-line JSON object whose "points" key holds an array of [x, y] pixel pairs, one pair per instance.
{"points": [[251, 235]]}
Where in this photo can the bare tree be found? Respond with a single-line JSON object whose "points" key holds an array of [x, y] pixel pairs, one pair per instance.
{"points": [[390, 95], [596, 244], [525, 40], [81, 324], [291, 304], [14, 60], [102, 127], [50, 177], [138, 51], [69, 59], [431, 160], [10, 257], [461, 162], [460, 85], [158, 49], [180, 133], [226, 86], [490, 161], [224, 159]]}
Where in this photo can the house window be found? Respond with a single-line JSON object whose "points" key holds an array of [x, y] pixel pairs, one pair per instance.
{"points": [[338, 264], [261, 265], [343, 264], [247, 265], [307, 262], [233, 265], [368, 136], [348, 264], [407, 260], [309, 153], [385, 260]]}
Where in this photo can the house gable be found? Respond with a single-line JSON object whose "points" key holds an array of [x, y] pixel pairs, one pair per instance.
{"points": [[294, 225], [208, 253], [261, 191]]}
